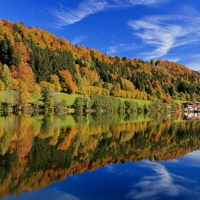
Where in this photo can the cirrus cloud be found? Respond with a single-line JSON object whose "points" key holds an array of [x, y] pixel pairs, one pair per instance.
{"points": [[166, 32], [67, 16]]}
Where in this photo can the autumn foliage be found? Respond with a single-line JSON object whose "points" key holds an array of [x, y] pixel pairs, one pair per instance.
{"points": [[37, 56]]}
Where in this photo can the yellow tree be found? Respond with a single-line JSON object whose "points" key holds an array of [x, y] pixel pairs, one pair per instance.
{"points": [[23, 94], [6, 76], [2, 86], [116, 90], [55, 80], [127, 85]]}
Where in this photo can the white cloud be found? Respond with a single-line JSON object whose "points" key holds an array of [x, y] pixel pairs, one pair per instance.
{"points": [[127, 3], [192, 61], [79, 39], [191, 159], [120, 48], [195, 156], [50, 194], [112, 49], [55, 194], [160, 183], [110, 168], [144, 2], [194, 65], [172, 58], [164, 33], [66, 16], [71, 16]]}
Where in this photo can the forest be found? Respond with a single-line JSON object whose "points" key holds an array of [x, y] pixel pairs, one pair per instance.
{"points": [[34, 63]]}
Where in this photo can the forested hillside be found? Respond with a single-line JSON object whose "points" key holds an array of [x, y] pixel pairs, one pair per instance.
{"points": [[32, 59]]}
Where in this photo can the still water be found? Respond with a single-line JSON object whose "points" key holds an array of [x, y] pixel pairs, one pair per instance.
{"points": [[99, 157]]}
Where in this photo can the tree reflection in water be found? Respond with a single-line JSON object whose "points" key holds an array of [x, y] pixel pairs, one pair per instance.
{"points": [[39, 150]]}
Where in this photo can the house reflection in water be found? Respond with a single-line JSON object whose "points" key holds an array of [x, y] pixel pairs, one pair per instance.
{"points": [[191, 107], [192, 116]]}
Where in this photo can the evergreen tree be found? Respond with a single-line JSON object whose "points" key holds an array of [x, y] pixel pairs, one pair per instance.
{"points": [[6, 51]]}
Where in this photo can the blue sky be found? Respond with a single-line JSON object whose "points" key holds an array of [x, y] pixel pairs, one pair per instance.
{"points": [[146, 29]]}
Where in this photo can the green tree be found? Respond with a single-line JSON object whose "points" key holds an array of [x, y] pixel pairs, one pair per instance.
{"points": [[152, 62], [121, 107], [146, 108], [79, 104], [48, 99], [6, 51]]}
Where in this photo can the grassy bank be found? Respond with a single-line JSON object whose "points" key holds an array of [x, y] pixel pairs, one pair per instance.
{"points": [[70, 98]]}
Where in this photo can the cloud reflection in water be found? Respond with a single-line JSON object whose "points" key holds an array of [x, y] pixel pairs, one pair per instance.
{"points": [[162, 183]]}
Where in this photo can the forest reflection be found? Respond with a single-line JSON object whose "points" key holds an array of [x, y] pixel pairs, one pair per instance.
{"points": [[38, 150]]}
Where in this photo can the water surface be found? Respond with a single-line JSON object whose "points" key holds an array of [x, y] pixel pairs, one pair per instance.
{"points": [[99, 157]]}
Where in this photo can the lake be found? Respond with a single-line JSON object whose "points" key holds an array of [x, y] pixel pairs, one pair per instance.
{"points": [[99, 157]]}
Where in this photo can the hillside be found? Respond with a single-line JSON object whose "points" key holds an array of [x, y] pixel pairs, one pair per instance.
{"points": [[32, 59]]}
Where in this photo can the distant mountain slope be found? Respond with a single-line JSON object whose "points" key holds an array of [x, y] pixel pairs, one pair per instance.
{"points": [[37, 58]]}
